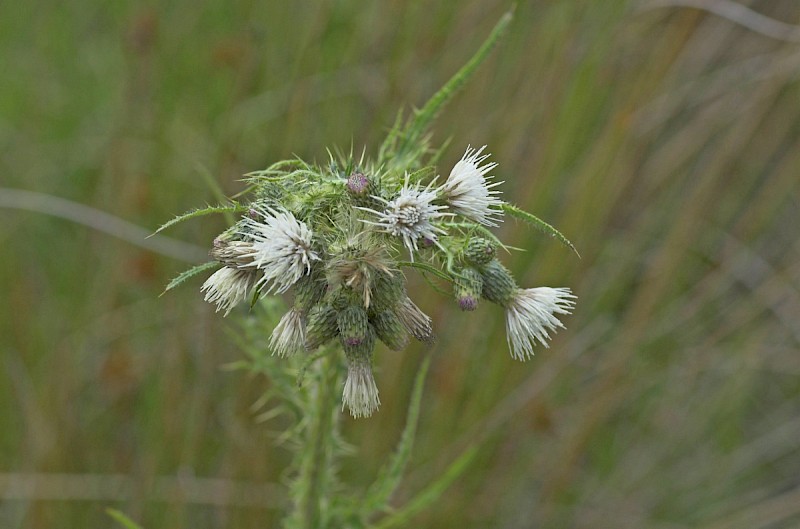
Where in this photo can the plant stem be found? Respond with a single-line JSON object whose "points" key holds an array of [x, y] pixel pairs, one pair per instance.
{"points": [[315, 459]]}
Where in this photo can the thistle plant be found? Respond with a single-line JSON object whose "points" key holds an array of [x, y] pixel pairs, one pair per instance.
{"points": [[339, 237]]}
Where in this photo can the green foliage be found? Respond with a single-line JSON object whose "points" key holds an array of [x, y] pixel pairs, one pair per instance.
{"points": [[120, 517], [190, 273], [539, 224], [199, 212], [407, 143], [376, 498]]}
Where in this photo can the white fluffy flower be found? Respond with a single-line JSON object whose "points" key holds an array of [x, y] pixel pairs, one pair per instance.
{"points": [[281, 248], [289, 336], [410, 215], [530, 315], [360, 392], [469, 191], [227, 287]]}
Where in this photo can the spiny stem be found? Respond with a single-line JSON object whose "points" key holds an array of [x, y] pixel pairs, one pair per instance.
{"points": [[315, 461]]}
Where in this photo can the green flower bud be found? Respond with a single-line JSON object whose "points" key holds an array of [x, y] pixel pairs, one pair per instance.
{"points": [[467, 288], [390, 330], [353, 326], [320, 325], [480, 251], [359, 350], [387, 291], [498, 283], [308, 291]]}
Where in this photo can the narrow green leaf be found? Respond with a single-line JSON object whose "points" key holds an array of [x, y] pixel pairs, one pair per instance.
{"points": [[431, 493], [187, 274], [427, 268], [233, 208], [122, 519], [380, 492], [418, 125], [539, 224]]}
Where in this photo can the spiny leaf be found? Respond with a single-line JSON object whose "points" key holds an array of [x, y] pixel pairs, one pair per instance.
{"points": [[199, 212], [122, 519], [380, 492], [539, 224], [411, 137], [431, 493], [187, 274]]}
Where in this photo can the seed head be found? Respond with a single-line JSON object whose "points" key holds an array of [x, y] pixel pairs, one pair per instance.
{"points": [[467, 288], [411, 215]]}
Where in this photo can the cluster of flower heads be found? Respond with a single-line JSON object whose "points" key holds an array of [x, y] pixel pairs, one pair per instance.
{"points": [[337, 236]]}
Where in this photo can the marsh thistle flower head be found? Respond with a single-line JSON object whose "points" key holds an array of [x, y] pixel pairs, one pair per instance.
{"points": [[281, 248], [530, 316], [411, 215], [227, 287], [289, 336], [360, 393], [470, 192], [336, 236]]}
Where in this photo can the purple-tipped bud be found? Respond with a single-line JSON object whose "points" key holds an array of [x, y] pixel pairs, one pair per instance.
{"points": [[358, 184], [467, 288], [427, 242], [467, 303], [353, 325], [254, 214], [352, 341]]}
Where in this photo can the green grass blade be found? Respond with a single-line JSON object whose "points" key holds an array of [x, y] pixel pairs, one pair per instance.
{"points": [[188, 274], [539, 224], [430, 494], [122, 519], [379, 493], [233, 208]]}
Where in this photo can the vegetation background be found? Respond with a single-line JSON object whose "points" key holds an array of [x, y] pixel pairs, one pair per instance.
{"points": [[661, 139]]}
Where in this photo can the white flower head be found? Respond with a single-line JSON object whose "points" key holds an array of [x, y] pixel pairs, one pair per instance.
{"points": [[281, 248], [289, 336], [469, 191], [227, 287], [360, 392], [411, 215], [531, 314]]}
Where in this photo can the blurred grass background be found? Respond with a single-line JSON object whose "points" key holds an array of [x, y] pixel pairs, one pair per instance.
{"points": [[663, 141]]}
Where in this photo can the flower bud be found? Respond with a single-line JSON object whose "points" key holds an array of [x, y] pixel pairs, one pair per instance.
{"points": [[467, 288], [390, 330], [353, 326], [358, 184], [308, 291], [498, 283], [320, 325], [387, 291], [479, 251]]}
